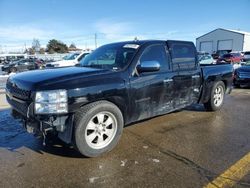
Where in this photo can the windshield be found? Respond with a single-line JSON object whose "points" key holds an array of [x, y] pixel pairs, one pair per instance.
{"points": [[70, 56], [111, 56]]}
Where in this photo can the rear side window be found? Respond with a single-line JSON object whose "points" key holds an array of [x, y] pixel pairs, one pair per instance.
{"points": [[247, 53], [183, 56], [156, 53]]}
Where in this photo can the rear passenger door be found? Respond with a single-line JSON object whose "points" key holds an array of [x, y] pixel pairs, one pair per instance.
{"points": [[188, 80]]}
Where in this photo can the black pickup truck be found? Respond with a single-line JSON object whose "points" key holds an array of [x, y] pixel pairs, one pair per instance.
{"points": [[89, 104]]}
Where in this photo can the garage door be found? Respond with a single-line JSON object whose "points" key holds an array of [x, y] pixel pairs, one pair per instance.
{"points": [[225, 44], [206, 46]]}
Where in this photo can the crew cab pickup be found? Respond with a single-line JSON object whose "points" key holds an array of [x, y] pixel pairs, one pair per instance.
{"points": [[117, 84]]}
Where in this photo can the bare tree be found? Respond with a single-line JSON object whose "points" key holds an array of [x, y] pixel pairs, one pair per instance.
{"points": [[36, 45]]}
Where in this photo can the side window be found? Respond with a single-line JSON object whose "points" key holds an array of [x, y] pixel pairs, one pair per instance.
{"points": [[183, 56], [82, 56], [156, 53], [21, 62]]}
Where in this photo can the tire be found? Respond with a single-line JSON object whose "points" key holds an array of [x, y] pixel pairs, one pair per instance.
{"points": [[216, 97], [13, 70], [98, 128]]}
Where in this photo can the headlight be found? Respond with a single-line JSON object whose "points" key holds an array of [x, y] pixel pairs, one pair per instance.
{"points": [[51, 102]]}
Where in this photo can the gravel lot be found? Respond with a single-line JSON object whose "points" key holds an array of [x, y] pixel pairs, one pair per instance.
{"points": [[189, 148]]}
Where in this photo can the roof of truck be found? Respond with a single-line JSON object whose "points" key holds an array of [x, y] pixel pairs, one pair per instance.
{"points": [[141, 42]]}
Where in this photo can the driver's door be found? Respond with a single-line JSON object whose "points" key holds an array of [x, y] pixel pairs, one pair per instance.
{"points": [[151, 92]]}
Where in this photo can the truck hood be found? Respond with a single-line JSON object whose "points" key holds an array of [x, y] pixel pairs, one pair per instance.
{"points": [[49, 79]]}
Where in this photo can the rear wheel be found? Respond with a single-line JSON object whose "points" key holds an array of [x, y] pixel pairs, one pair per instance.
{"points": [[98, 127], [216, 97]]}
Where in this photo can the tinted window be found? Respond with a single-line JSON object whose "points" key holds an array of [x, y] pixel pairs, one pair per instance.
{"points": [[183, 56], [156, 53], [247, 53]]}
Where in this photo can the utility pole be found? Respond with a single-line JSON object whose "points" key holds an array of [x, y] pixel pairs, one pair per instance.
{"points": [[25, 49], [95, 40]]}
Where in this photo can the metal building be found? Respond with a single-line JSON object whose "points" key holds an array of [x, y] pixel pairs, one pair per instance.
{"points": [[223, 39]]}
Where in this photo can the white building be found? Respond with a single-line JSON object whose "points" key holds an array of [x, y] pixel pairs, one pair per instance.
{"points": [[223, 39]]}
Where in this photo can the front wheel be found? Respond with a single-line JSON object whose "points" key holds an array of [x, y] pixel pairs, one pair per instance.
{"points": [[98, 128], [216, 97]]}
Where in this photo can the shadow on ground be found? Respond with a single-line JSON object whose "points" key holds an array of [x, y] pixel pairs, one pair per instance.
{"points": [[13, 137]]}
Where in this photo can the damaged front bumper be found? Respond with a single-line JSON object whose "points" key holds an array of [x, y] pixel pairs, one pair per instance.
{"points": [[59, 125]]}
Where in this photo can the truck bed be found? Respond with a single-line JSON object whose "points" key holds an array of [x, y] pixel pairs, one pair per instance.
{"points": [[214, 73]]}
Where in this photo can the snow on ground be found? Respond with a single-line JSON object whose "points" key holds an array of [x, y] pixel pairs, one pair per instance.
{"points": [[3, 78]]}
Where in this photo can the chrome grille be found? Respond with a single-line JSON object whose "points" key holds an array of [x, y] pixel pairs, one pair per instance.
{"points": [[17, 92], [18, 106]]}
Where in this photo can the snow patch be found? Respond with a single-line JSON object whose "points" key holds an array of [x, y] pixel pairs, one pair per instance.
{"points": [[92, 179], [4, 76], [123, 163], [156, 160]]}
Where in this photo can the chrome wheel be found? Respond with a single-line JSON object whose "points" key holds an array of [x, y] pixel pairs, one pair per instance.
{"points": [[218, 96], [101, 130]]}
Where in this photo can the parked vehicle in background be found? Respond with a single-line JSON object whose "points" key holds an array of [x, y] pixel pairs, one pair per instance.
{"points": [[246, 56], [7, 58], [69, 60], [206, 59], [242, 75], [40, 63], [20, 66], [230, 58], [219, 53], [117, 84]]}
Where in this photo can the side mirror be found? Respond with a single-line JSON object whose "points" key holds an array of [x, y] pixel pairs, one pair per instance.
{"points": [[148, 66]]}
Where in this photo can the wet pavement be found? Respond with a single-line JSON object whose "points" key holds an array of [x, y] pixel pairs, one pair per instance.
{"points": [[189, 148]]}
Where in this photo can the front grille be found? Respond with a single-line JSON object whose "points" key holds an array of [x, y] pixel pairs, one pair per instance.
{"points": [[21, 107], [17, 92]]}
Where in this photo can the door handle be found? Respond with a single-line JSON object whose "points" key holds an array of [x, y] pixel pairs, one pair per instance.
{"points": [[168, 80], [196, 76]]}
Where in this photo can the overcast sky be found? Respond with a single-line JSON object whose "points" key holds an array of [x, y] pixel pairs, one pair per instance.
{"points": [[113, 20]]}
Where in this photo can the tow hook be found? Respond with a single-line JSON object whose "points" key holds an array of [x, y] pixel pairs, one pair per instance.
{"points": [[44, 132]]}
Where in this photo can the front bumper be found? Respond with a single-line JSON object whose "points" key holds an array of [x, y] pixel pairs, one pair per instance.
{"points": [[62, 125]]}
